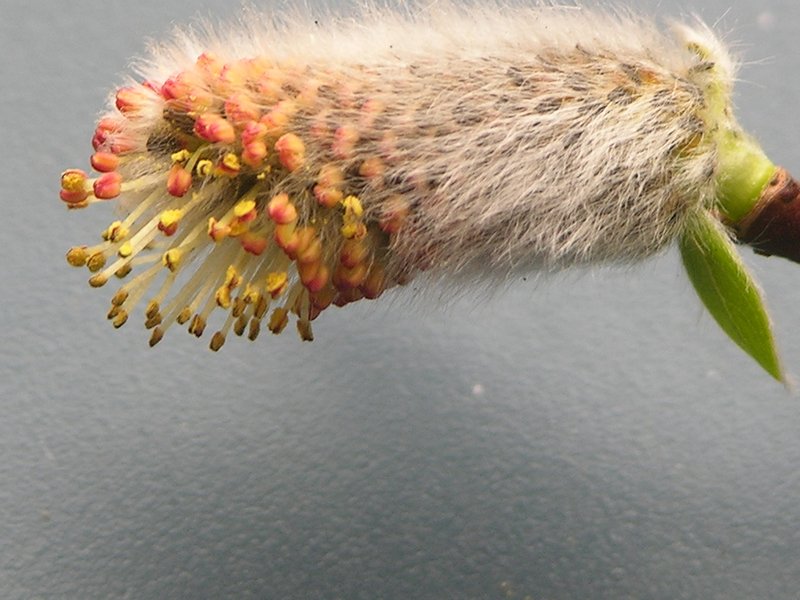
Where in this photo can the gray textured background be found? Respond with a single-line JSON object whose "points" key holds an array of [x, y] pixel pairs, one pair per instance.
{"points": [[596, 437]]}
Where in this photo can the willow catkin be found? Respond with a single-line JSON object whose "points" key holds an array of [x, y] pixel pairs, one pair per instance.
{"points": [[280, 169]]}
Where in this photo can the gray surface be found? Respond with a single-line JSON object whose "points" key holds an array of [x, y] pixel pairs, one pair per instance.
{"points": [[593, 438]]}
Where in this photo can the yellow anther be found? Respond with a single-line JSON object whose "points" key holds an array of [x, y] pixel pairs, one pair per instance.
{"points": [[255, 328], [153, 321], [123, 270], [231, 162], [115, 232], [352, 207], [223, 297], [238, 308], [172, 259], [73, 180], [169, 218], [349, 230], [197, 326], [232, 277], [77, 256], [119, 319], [217, 340], [238, 227], [243, 208], [240, 325], [156, 336], [180, 156], [218, 230], [276, 282], [251, 294], [153, 308], [125, 250], [278, 320], [96, 262], [352, 227], [184, 316], [354, 231], [98, 280], [204, 167], [119, 298]]}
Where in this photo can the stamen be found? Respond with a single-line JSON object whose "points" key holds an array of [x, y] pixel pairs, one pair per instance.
{"points": [[210, 185]]}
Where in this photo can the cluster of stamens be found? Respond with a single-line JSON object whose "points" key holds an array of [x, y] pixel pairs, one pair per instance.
{"points": [[236, 179]]}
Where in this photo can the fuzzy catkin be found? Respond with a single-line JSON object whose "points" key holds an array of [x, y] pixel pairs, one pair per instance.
{"points": [[475, 142], [538, 136]]}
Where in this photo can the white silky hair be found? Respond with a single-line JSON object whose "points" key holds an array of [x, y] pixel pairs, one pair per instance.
{"points": [[526, 137]]}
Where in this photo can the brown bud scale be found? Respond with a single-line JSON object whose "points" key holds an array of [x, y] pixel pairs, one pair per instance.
{"points": [[773, 226]]}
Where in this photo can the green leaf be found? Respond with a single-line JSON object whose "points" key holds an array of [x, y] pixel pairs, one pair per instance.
{"points": [[728, 291]]}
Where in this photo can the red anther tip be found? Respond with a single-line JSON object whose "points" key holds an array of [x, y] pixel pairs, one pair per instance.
{"points": [[108, 185], [214, 128], [179, 181], [104, 162]]}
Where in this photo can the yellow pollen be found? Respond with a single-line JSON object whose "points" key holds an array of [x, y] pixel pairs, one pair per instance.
{"points": [[181, 156], [238, 228], [354, 231], [73, 182], [204, 167], [352, 206], [217, 230], [349, 231], [223, 297], [276, 281], [116, 232], [251, 294], [125, 250], [172, 259], [353, 228], [171, 217], [243, 207], [231, 162], [232, 277]]}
